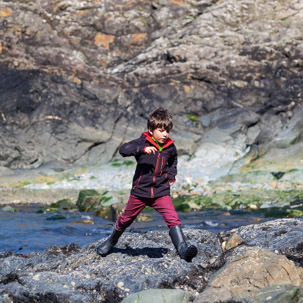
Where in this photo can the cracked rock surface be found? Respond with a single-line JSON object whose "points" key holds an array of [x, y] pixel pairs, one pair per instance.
{"points": [[79, 77], [148, 260]]}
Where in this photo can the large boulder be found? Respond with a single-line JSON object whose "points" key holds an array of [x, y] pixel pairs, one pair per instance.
{"points": [[254, 270]]}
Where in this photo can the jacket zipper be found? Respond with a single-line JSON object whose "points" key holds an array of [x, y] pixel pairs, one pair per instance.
{"points": [[138, 181], [154, 176], [162, 165]]}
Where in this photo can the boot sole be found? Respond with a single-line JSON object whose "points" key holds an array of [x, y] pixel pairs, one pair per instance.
{"points": [[191, 253], [101, 253]]}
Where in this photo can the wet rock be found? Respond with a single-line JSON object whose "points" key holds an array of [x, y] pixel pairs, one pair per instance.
{"points": [[111, 212], [117, 210], [105, 212], [64, 204], [159, 296], [274, 235], [140, 261], [84, 221], [56, 217], [8, 209], [114, 211], [280, 236], [88, 199], [259, 265]]}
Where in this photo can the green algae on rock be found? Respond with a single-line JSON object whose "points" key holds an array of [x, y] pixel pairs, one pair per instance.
{"points": [[63, 204], [287, 202], [90, 199]]}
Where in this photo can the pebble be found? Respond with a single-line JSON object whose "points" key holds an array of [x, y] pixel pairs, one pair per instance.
{"points": [[120, 285]]}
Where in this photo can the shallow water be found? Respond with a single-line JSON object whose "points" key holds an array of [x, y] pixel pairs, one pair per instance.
{"points": [[33, 232]]}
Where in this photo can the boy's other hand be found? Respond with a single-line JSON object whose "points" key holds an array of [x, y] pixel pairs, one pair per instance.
{"points": [[171, 183], [150, 149]]}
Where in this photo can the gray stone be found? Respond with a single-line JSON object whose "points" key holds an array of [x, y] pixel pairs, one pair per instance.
{"points": [[159, 296], [8, 209], [274, 235], [281, 236], [285, 293]]}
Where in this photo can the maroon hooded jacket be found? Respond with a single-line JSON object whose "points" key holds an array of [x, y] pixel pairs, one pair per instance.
{"points": [[153, 172]]}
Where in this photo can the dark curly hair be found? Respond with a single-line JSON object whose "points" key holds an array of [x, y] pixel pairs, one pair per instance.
{"points": [[159, 118]]}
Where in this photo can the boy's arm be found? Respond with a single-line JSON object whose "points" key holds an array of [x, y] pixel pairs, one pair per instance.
{"points": [[132, 148], [172, 167]]}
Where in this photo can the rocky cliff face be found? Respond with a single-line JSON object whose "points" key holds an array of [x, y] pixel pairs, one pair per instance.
{"points": [[79, 77]]}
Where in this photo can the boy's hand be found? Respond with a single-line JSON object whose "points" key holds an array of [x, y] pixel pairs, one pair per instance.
{"points": [[150, 149], [171, 183]]}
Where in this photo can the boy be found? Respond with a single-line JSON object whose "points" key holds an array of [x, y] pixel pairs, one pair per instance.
{"points": [[155, 173]]}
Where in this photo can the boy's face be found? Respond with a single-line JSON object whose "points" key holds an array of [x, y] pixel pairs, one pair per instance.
{"points": [[160, 134]]}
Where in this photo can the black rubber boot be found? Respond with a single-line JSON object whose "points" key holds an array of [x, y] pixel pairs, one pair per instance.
{"points": [[185, 252], [109, 243]]}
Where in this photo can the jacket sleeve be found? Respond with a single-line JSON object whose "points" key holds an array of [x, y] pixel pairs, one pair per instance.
{"points": [[172, 166], [132, 148]]}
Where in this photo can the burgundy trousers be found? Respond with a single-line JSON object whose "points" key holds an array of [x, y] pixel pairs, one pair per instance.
{"points": [[164, 205]]}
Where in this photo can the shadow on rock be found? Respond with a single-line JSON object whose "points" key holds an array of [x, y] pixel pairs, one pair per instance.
{"points": [[150, 252]]}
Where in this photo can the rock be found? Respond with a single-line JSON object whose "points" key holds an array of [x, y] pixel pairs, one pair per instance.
{"points": [[256, 269], [148, 260], [117, 210], [293, 175], [86, 90], [140, 261], [105, 212], [88, 199], [144, 218], [233, 241], [8, 209], [56, 217], [281, 235], [114, 211], [274, 235], [294, 254], [110, 198], [285, 293], [159, 296], [249, 177], [211, 296], [111, 212], [84, 221], [64, 204]]}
